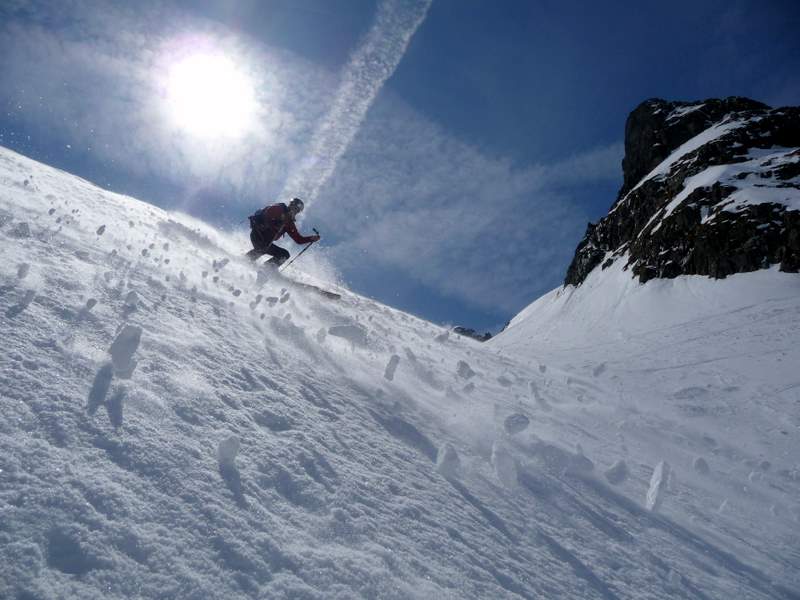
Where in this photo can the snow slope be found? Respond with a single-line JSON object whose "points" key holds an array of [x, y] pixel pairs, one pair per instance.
{"points": [[698, 371], [171, 429]]}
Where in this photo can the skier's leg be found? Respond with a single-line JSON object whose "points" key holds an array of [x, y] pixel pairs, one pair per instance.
{"points": [[259, 248], [279, 255]]}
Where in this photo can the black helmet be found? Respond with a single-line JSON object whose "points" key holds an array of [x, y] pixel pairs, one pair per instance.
{"points": [[297, 205]]}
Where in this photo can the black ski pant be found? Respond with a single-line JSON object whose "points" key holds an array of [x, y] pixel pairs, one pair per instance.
{"points": [[262, 244]]}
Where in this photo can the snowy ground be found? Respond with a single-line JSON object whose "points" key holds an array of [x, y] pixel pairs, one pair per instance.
{"points": [[171, 429]]}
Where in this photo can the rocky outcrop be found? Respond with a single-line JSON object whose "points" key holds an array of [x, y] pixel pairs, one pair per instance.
{"points": [[656, 128], [481, 337], [710, 188]]}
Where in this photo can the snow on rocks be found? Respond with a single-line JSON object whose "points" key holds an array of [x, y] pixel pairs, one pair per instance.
{"points": [[505, 468], [658, 486], [123, 348], [516, 423], [448, 463], [617, 473], [391, 367]]}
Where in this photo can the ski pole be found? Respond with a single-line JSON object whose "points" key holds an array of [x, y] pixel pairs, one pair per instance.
{"points": [[299, 254]]}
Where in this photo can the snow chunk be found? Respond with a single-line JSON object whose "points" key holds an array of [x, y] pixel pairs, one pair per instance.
{"points": [[516, 423], [353, 333], [540, 401], [504, 381], [391, 367], [20, 230], [617, 473], [579, 463], [504, 466], [701, 466], [658, 485], [674, 578], [447, 461], [227, 451], [464, 370], [123, 349], [132, 300], [599, 370]]}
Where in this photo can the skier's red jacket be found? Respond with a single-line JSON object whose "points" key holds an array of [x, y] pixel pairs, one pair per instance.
{"points": [[276, 220]]}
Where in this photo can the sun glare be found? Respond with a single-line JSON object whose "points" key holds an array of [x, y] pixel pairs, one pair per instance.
{"points": [[208, 96]]}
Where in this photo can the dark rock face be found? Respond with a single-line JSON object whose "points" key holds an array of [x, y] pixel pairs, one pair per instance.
{"points": [[472, 333], [710, 188], [657, 127]]}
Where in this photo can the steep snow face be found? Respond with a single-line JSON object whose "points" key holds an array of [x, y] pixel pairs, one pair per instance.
{"points": [[171, 427], [698, 373]]}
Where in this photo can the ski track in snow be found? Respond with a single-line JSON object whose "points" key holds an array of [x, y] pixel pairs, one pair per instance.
{"points": [[165, 436]]}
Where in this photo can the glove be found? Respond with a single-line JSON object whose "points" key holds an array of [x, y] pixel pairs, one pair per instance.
{"points": [[314, 238]]}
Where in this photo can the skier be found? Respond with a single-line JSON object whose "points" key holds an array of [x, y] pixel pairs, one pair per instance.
{"points": [[269, 224]]}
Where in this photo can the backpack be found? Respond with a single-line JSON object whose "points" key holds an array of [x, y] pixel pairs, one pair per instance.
{"points": [[258, 220]]}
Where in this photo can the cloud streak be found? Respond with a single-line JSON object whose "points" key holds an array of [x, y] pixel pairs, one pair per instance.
{"points": [[362, 79], [94, 80], [395, 191], [412, 198]]}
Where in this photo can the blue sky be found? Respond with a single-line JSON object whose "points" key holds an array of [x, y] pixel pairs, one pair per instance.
{"points": [[451, 151]]}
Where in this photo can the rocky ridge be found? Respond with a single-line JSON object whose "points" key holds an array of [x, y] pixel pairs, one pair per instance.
{"points": [[710, 188]]}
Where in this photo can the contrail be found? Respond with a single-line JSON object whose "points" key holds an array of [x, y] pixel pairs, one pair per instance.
{"points": [[369, 68]]}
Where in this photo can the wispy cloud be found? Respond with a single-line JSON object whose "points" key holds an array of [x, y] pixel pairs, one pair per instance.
{"points": [[399, 191], [475, 227], [370, 66], [94, 79]]}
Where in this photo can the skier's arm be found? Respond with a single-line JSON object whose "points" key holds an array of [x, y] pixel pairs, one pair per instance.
{"points": [[295, 235]]}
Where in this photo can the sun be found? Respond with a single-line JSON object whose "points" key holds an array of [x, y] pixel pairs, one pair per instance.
{"points": [[209, 96]]}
